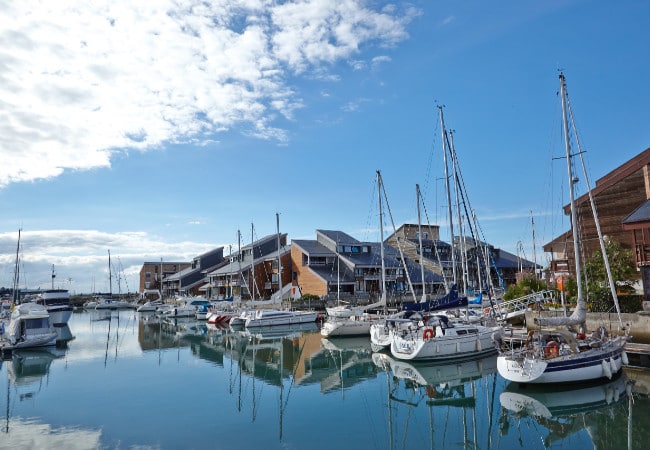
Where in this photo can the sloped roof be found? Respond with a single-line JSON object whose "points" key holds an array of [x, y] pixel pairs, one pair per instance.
{"points": [[641, 214]]}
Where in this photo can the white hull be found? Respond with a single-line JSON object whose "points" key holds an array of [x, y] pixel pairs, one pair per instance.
{"points": [[591, 364], [60, 316], [443, 347], [346, 327], [284, 319]]}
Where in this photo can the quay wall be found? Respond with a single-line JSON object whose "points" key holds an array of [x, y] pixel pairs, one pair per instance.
{"points": [[638, 324]]}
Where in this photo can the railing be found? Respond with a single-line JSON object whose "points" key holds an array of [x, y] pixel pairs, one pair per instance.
{"points": [[518, 306]]}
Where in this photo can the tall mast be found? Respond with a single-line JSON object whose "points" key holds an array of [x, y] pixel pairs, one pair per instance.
{"points": [[239, 276], [110, 276], [449, 208], [417, 194], [574, 218], [253, 261], [15, 296], [277, 226], [381, 241], [532, 224]]}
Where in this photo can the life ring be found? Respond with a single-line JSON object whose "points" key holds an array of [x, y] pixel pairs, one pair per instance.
{"points": [[428, 334], [486, 310]]}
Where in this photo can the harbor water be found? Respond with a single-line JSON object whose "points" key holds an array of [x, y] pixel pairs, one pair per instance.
{"points": [[120, 379]]}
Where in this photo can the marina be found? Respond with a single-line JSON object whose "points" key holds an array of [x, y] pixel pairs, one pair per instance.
{"points": [[127, 379]]}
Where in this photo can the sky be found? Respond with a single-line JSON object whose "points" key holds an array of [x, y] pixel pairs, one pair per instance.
{"points": [[158, 130]]}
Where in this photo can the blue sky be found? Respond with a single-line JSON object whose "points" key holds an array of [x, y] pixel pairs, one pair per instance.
{"points": [[159, 131]]}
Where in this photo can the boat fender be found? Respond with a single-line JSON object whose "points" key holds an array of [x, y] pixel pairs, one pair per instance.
{"points": [[607, 371], [612, 364], [428, 334], [624, 358]]}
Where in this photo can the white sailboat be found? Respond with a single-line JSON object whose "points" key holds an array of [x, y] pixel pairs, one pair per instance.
{"points": [[436, 337], [553, 355], [358, 324]]}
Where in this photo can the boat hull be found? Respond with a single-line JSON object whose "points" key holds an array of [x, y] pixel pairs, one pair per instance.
{"points": [[281, 320], [445, 347], [592, 364]]}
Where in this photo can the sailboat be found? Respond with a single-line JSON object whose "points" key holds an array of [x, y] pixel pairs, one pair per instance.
{"points": [[437, 337], [359, 324], [553, 355], [109, 302]]}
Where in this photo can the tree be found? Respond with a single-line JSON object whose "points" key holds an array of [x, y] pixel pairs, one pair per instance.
{"points": [[596, 283], [527, 285]]}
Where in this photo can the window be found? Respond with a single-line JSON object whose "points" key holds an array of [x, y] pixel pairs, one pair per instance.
{"points": [[147, 275]]}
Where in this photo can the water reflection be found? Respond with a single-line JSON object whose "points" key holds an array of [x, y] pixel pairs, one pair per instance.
{"points": [[558, 412], [27, 376], [456, 393]]}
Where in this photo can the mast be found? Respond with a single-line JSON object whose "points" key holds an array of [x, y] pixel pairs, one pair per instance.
{"points": [[449, 208], [110, 276], [253, 261], [15, 297], [381, 241], [574, 218], [461, 222], [532, 223], [277, 226], [239, 276], [417, 194]]}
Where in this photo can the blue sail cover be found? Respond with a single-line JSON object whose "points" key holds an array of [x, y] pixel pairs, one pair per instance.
{"points": [[449, 301], [477, 300]]}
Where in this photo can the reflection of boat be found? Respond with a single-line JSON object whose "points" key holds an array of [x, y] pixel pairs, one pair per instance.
{"points": [[27, 366], [546, 401], [566, 410], [279, 331], [431, 374]]}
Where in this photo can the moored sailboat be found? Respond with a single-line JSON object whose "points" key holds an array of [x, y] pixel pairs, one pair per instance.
{"points": [[553, 355]]}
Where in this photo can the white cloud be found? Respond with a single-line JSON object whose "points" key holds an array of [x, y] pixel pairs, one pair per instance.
{"points": [[80, 80], [80, 257]]}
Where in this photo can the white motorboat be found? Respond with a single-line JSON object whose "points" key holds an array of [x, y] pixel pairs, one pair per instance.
{"points": [[150, 306], [272, 317], [111, 304], [57, 303], [188, 309], [29, 326], [439, 339]]}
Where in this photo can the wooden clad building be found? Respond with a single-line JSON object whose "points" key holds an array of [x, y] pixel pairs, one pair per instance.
{"points": [[616, 196]]}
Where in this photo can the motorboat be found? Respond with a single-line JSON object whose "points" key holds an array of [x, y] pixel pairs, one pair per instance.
{"points": [[150, 306], [29, 326], [439, 339], [188, 309], [271, 317], [57, 303], [112, 304]]}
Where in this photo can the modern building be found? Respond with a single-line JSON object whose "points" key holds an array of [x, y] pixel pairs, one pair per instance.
{"points": [[189, 280], [252, 271], [337, 265], [619, 197], [152, 273]]}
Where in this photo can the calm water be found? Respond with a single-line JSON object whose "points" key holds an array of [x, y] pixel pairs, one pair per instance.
{"points": [[129, 381]]}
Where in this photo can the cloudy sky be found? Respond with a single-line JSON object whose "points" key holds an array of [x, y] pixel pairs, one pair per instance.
{"points": [[158, 129]]}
